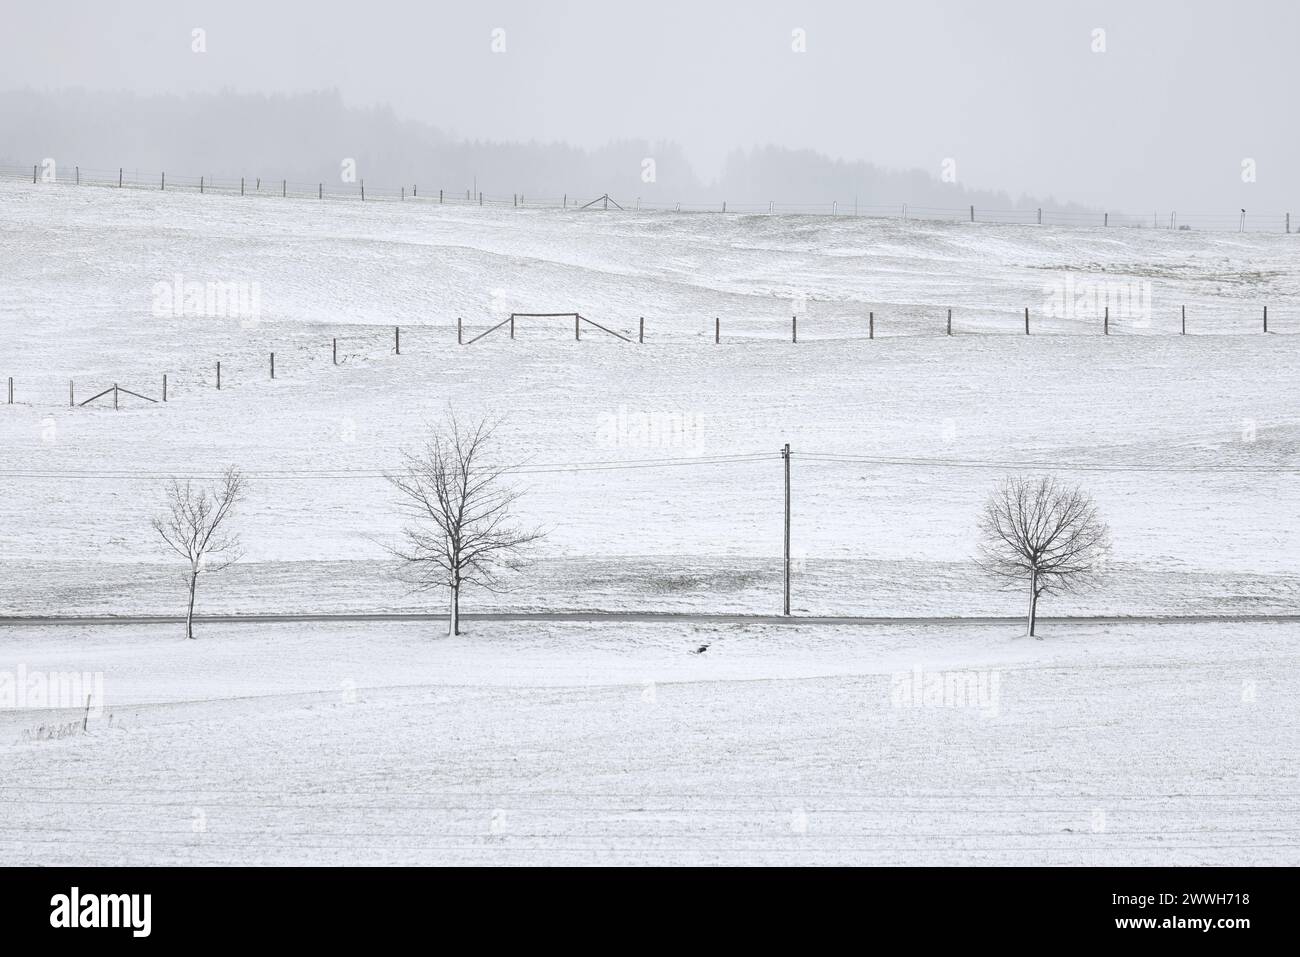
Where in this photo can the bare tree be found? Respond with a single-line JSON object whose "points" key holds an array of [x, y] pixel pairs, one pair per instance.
{"points": [[1043, 532], [194, 528], [460, 530]]}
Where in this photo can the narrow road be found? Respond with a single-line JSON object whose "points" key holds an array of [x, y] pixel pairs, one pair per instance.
{"points": [[628, 616]]}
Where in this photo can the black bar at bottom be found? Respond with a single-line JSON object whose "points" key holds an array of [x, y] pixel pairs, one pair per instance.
{"points": [[925, 906]]}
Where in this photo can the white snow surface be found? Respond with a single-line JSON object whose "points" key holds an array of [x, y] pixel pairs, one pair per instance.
{"points": [[79, 266], [569, 743], [581, 744]]}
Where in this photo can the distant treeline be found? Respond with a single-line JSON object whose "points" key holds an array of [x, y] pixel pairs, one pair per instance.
{"points": [[308, 137]]}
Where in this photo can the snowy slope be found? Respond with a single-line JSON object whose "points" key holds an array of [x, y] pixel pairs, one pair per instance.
{"points": [[80, 264]]}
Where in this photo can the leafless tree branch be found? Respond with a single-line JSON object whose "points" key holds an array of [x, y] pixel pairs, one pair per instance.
{"points": [[1043, 532], [194, 527], [460, 529]]}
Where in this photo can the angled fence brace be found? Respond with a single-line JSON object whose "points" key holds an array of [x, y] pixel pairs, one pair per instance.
{"points": [[616, 335]]}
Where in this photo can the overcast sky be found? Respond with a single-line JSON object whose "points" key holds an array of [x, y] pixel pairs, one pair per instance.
{"points": [[1012, 91]]}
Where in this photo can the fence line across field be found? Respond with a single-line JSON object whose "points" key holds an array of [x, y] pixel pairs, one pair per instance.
{"points": [[944, 324], [1236, 221]]}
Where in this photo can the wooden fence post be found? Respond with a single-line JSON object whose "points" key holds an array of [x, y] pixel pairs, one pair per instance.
{"points": [[640, 336], [871, 325], [119, 177], [577, 333], [164, 181], [397, 339], [972, 214], [1266, 318], [218, 377], [72, 395], [79, 181], [1184, 320], [34, 168], [439, 197], [1105, 328], [320, 190], [949, 322], [11, 390], [1026, 320], [336, 351], [794, 328], [459, 340], [200, 185], [272, 365], [717, 330], [114, 395], [512, 325], [241, 186], [284, 188], [1105, 219], [164, 386]]}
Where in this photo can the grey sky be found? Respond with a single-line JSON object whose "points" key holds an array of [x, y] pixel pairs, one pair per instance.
{"points": [[1010, 90]]}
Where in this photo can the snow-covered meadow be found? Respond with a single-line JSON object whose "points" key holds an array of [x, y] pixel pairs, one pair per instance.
{"points": [[582, 744], [322, 743]]}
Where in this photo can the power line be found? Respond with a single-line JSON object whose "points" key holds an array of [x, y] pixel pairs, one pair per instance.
{"points": [[750, 458], [849, 459], [363, 473]]}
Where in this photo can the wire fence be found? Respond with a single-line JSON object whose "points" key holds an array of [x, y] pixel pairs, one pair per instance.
{"points": [[361, 191]]}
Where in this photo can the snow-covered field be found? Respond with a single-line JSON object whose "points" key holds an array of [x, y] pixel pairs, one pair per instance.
{"points": [[583, 744], [79, 266], [1143, 744]]}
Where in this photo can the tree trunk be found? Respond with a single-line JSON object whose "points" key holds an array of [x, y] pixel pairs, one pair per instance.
{"points": [[189, 614], [453, 626], [1033, 603]]}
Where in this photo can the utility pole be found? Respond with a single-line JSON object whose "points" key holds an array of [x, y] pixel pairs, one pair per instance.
{"points": [[785, 454]]}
